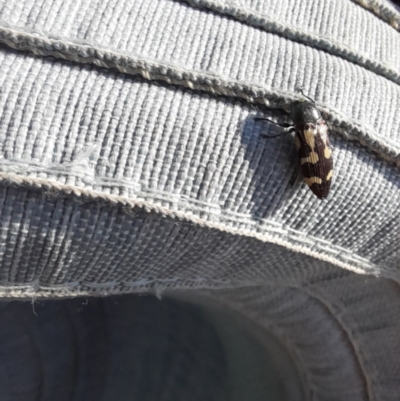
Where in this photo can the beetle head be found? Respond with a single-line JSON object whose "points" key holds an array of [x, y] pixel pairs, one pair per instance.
{"points": [[304, 112]]}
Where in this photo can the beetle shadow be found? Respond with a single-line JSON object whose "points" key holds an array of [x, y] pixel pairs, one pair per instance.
{"points": [[273, 163]]}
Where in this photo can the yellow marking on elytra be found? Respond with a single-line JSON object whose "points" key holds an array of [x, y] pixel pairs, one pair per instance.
{"points": [[327, 152], [297, 142], [313, 158], [329, 176], [309, 136], [312, 180]]}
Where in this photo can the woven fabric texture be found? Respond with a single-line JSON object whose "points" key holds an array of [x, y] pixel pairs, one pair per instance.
{"points": [[131, 161]]}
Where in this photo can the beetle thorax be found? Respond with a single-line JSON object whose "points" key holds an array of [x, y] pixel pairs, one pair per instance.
{"points": [[304, 112]]}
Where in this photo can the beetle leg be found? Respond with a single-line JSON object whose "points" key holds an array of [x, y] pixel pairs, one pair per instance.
{"points": [[283, 125], [296, 178], [293, 178], [287, 128]]}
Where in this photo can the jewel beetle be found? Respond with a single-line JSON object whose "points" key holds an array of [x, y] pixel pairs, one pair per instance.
{"points": [[312, 143]]}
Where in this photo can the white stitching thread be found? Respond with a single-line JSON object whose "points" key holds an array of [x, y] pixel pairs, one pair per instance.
{"points": [[382, 11], [276, 235], [294, 33], [198, 80]]}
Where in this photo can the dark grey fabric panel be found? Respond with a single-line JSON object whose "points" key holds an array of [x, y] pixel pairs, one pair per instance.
{"points": [[125, 348]]}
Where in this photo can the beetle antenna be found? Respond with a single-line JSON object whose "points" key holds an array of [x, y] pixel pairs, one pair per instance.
{"points": [[287, 130], [300, 89]]}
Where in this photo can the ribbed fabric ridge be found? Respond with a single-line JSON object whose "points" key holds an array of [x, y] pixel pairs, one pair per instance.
{"points": [[195, 80], [382, 11], [295, 34], [291, 240]]}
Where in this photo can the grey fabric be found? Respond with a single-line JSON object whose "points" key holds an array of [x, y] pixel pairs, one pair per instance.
{"points": [[131, 162], [118, 348]]}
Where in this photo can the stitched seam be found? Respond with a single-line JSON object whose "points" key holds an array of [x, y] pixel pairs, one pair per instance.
{"points": [[184, 204], [341, 324], [75, 290], [292, 32], [288, 238], [278, 333], [382, 11], [195, 80], [350, 337]]}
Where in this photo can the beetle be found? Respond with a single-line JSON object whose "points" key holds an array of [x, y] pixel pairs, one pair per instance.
{"points": [[312, 143]]}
